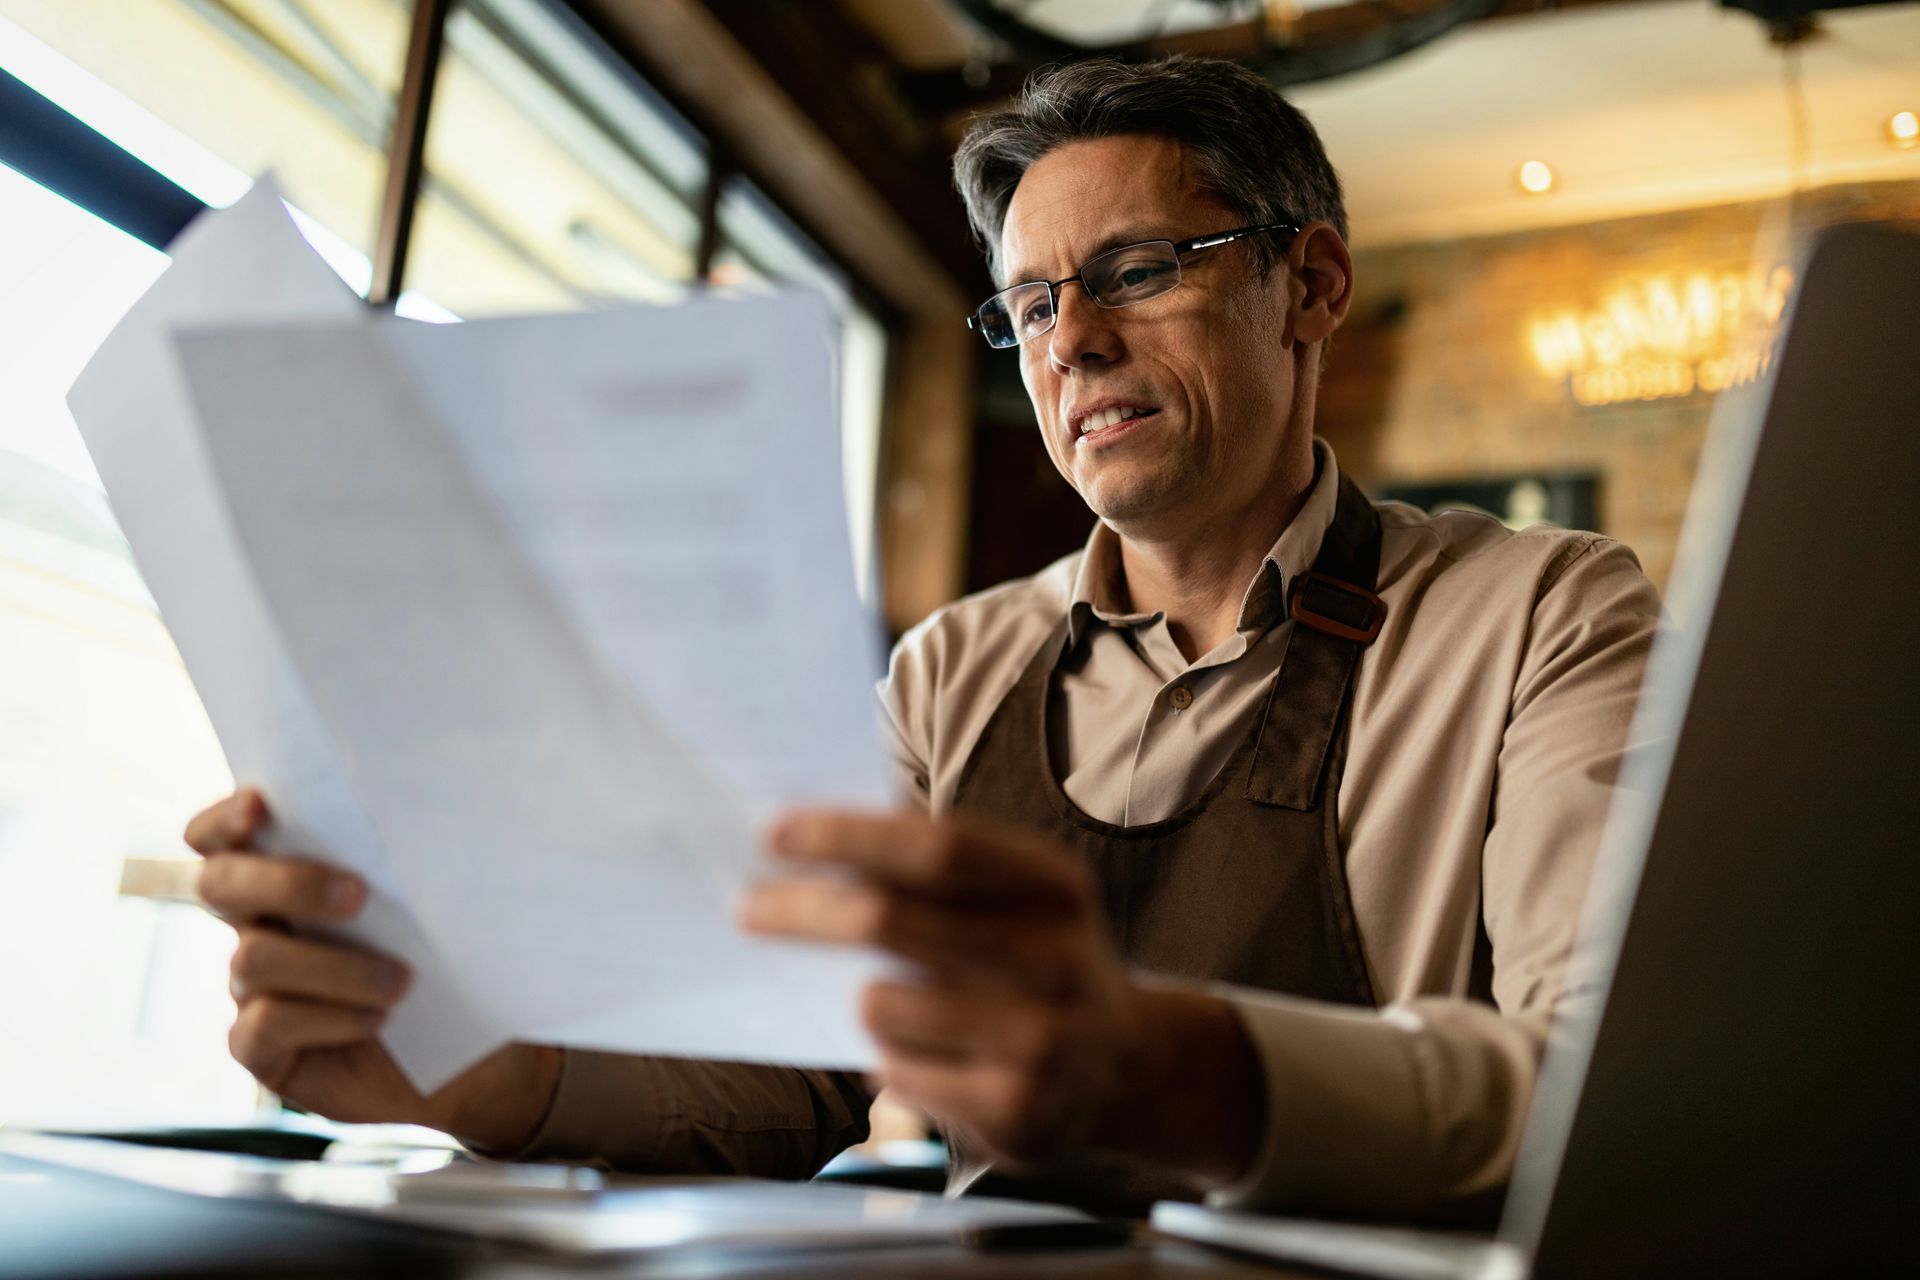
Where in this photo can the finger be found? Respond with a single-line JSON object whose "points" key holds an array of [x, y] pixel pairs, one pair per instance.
{"points": [[970, 946], [227, 824], [915, 1021], [907, 1023], [1000, 1108], [268, 962], [273, 1031], [842, 912], [246, 888], [958, 1093], [947, 857]]}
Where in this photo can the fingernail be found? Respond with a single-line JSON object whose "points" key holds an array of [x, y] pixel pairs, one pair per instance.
{"points": [[346, 894], [793, 837], [761, 910], [393, 978]]}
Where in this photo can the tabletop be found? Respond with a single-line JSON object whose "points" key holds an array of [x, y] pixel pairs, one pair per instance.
{"points": [[57, 1223]]}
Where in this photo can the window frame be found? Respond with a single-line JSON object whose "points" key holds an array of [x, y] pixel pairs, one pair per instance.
{"points": [[42, 141]]}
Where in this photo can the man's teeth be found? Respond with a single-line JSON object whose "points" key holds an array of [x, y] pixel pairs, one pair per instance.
{"points": [[1097, 422]]}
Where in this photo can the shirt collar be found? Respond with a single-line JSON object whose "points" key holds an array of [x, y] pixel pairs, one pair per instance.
{"points": [[1100, 584]]}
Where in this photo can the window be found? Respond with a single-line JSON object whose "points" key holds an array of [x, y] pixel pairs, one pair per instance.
{"points": [[759, 246], [106, 749], [211, 92], [554, 179]]}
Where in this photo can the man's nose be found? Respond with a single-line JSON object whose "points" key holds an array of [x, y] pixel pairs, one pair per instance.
{"points": [[1084, 332]]}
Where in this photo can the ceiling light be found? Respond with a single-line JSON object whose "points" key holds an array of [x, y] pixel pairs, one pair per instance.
{"points": [[1535, 178], [1903, 129]]}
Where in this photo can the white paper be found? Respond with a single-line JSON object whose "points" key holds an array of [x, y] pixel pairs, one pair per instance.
{"points": [[667, 476], [562, 606], [249, 263]]}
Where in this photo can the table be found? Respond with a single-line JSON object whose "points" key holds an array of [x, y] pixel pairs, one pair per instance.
{"points": [[60, 1224]]}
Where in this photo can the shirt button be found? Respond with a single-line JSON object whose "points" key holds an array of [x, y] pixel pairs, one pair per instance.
{"points": [[1181, 697]]}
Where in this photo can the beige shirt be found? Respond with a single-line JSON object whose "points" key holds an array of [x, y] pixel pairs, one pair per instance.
{"points": [[1489, 721]]}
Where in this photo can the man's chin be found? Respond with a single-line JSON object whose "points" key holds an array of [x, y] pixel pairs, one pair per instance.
{"points": [[1122, 501]]}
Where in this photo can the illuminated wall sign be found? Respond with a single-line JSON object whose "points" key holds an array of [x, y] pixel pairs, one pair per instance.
{"points": [[1660, 336]]}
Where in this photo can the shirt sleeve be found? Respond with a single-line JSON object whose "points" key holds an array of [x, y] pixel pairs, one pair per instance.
{"points": [[904, 702], [1417, 1109], [675, 1115]]}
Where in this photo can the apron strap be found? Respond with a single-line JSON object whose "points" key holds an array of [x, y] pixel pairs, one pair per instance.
{"points": [[1336, 615], [1039, 669]]}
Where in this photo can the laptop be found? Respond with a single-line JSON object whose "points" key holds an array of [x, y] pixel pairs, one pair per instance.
{"points": [[1742, 1101]]}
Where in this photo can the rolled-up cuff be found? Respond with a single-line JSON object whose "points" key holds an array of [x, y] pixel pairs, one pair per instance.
{"points": [[1346, 1125], [602, 1099]]}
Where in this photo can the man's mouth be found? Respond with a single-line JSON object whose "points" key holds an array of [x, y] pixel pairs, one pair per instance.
{"points": [[1102, 420]]}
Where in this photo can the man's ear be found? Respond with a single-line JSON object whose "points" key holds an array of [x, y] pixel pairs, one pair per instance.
{"points": [[1323, 269]]}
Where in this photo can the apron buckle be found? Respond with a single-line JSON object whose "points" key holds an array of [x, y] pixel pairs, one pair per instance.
{"points": [[1337, 608]]}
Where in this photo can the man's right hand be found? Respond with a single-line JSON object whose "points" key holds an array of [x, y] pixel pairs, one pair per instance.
{"points": [[310, 1011]]}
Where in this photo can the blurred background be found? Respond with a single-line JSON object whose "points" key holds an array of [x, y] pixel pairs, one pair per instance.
{"points": [[1573, 227]]}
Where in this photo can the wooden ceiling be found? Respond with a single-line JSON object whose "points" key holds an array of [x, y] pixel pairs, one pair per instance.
{"points": [[949, 68], [888, 85]]}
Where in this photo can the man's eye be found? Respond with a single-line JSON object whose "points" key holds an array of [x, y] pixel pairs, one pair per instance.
{"points": [[1038, 313], [1139, 273]]}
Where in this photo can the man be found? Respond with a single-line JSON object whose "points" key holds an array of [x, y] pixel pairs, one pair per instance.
{"points": [[1332, 774]]}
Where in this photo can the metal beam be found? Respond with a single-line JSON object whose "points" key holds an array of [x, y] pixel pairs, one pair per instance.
{"points": [[838, 75], [698, 65], [719, 172], [65, 155], [406, 152]]}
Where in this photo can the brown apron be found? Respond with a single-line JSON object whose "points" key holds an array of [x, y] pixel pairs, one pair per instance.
{"points": [[1246, 884]]}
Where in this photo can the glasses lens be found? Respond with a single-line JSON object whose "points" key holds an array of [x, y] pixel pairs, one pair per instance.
{"points": [[1013, 315], [1030, 309], [994, 322], [1132, 274]]}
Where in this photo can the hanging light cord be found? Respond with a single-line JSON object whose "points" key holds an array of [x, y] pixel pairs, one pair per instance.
{"points": [[1799, 126]]}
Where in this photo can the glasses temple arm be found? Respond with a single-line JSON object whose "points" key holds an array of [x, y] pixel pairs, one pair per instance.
{"points": [[1228, 237]]}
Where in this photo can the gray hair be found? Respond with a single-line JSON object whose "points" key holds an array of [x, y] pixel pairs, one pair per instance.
{"points": [[1250, 146]]}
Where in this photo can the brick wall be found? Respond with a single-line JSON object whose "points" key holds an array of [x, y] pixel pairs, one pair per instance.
{"points": [[1438, 375]]}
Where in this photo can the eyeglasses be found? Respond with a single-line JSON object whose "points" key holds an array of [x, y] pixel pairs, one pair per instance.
{"points": [[1117, 278]]}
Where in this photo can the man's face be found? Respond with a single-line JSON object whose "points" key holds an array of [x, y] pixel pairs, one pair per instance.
{"points": [[1206, 367]]}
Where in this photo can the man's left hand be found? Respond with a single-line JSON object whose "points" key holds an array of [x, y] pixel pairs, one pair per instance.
{"points": [[1021, 1029]]}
